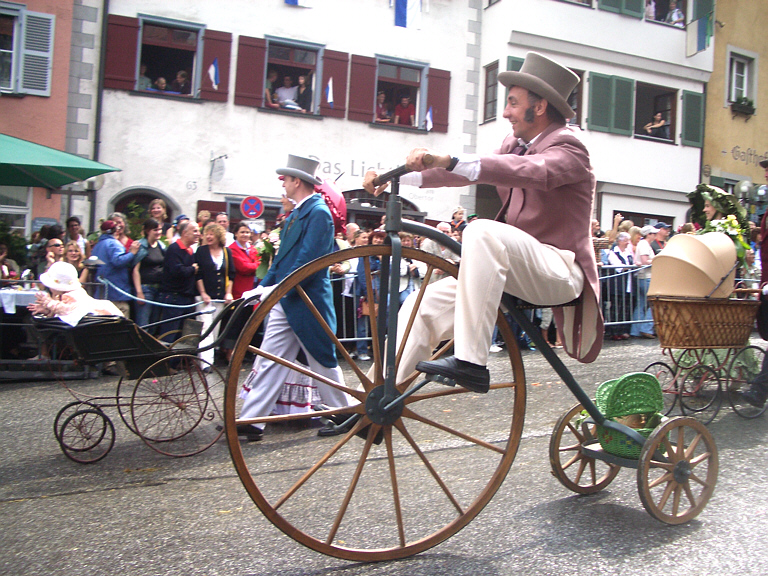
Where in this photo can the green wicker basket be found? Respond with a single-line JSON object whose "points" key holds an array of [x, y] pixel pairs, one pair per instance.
{"points": [[636, 393]]}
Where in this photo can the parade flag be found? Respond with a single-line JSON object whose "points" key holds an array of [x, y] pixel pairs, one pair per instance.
{"points": [[302, 3], [408, 13], [213, 73], [698, 35], [428, 119], [329, 92]]}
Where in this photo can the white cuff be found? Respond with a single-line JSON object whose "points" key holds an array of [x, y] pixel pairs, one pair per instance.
{"points": [[468, 166], [412, 179]]}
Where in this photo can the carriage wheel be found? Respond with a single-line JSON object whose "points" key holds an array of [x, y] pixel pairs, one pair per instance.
{"points": [[176, 406], [700, 395], [744, 369], [440, 462], [66, 412], [575, 470], [87, 436], [677, 470], [123, 403], [669, 386]]}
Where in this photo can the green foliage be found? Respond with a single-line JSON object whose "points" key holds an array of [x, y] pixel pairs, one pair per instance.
{"points": [[136, 216], [744, 101], [17, 245]]}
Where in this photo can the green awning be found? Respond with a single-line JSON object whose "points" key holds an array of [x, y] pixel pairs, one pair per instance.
{"points": [[24, 163]]}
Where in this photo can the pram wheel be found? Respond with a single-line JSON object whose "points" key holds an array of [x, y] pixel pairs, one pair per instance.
{"points": [[745, 367], [669, 385], [571, 467], [676, 483], [176, 407], [700, 393], [87, 436]]}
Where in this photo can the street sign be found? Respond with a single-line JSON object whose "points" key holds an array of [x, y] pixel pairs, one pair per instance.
{"points": [[252, 207]]}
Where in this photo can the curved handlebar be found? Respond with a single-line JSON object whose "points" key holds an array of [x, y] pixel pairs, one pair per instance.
{"points": [[427, 160]]}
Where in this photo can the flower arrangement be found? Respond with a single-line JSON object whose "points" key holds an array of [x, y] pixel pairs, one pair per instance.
{"points": [[731, 228], [266, 248]]}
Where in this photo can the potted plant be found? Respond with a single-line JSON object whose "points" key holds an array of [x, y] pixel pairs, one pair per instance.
{"points": [[743, 105]]}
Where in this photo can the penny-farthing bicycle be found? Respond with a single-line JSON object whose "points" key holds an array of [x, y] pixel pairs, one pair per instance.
{"points": [[421, 459]]}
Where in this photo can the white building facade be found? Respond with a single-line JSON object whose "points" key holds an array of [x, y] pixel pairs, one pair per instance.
{"points": [[217, 145]]}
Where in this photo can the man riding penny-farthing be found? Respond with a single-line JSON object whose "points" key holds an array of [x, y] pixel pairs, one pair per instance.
{"points": [[415, 460]]}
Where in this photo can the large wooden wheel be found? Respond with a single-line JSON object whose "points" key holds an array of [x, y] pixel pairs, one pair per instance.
{"points": [[441, 460], [677, 470], [176, 406], [575, 470]]}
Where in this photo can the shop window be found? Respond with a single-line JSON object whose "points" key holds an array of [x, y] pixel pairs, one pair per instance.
{"points": [[26, 50], [167, 57], [14, 208]]}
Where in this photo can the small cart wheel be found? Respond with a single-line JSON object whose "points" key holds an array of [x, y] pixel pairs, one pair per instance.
{"points": [[87, 436], [66, 412], [677, 470], [177, 406], [744, 369], [669, 385], [700, 395], [571, 467]]}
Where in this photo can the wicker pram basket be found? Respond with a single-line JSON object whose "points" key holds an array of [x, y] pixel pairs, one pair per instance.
{"points": [[703, 322]]}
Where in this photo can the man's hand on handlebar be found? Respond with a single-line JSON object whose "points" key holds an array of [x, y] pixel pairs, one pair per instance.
{"points": [[418, 159]]}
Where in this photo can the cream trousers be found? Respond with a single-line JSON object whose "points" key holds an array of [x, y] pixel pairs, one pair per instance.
{"points": [[496, 258]]}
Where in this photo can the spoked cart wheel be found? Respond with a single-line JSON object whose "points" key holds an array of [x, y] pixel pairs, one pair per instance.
{"points": [[745, 366], [700, 394], [677, 470], [415, 478], [87, 436], [670, 388], [575, 470], [176, 406], [66, 412]]}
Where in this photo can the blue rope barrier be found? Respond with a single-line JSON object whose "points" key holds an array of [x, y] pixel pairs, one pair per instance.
{"points": [[110, 285]]}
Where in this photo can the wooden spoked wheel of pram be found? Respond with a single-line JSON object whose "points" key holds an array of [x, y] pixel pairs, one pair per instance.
{"points": [[404, 486], [677, 470], [574, 469]]}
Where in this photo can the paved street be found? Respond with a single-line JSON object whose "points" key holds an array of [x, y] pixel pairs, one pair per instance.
{"points": [[140, 513]]}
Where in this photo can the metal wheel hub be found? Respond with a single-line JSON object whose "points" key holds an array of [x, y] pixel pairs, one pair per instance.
{"points": [[374, 407], [682, 472]]}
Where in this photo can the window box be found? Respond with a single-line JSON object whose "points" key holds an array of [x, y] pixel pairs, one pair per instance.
{"points": [[740, 108]]}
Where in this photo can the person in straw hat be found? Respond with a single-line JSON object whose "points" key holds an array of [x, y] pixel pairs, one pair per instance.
{"points": [[539, 246], [68, 300], [307, 234]]}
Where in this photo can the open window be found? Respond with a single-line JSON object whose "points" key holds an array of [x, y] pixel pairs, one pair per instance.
{"points": [[26, 50], [655, 112], [140, 51], [291, 76]]}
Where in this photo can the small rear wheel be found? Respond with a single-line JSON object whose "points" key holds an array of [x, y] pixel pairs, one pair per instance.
{"points": [[745, 367], [87, 436], [571, 467], [669, 386], [700, 395], [66, 412], [677, 470]]}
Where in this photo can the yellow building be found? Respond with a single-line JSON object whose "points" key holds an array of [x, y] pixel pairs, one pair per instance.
{"points": [[736, 120]]}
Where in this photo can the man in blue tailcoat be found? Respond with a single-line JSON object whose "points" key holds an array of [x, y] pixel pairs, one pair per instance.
{"points": [[290, 326]]}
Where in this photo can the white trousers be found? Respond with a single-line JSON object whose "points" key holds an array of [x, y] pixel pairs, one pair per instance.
{"points": [[206, 319], [495, 258], [267, 378]]}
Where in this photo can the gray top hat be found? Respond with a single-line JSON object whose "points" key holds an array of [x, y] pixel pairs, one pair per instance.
{"points": [[550, 80], [302, 168]]}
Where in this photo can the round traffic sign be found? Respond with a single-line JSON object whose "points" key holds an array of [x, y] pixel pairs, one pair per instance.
{"points": [[252, 207]]}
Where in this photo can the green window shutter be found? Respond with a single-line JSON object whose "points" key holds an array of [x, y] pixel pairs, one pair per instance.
{"points": [[623, 105], [600, 89], [693, 119], [717, 181], [514, 64], [610, 5], [36, 53], [702, 8], [634, 8]]}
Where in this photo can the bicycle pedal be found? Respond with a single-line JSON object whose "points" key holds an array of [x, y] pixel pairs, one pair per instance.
{"points": [[440, 379]]}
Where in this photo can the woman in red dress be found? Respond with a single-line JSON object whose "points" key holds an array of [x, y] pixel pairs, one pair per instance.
{"points": [[246, 261]]}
